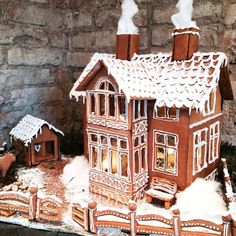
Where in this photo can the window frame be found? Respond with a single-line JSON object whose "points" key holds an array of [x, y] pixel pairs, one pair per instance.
{"points": [[138, 148], [214, 138], [99, 146], [197, 158], [97, 92], [138, 110], [167, 114], [165, 147], [208, 110]]}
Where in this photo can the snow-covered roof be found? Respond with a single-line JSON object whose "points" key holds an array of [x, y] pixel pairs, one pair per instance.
{"points": [[185, 83], [29, 127]]}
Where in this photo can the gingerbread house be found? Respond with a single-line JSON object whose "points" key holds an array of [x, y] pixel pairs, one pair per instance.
{"points": [[155, 115], [35, 141]]}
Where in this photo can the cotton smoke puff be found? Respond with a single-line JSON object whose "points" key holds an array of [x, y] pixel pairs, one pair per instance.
{"points": [[126, 24], [183, 19], [201, 200]]}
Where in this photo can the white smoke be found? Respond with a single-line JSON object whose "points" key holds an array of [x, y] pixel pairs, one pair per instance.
{"points": [[183, 19], [126, 24]]}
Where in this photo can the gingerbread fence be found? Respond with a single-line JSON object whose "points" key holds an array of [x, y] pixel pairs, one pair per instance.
{"points": [[31, 206], [91, 219]]}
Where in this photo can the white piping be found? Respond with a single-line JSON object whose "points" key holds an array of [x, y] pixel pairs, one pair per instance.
{"points": [[204, 121]]}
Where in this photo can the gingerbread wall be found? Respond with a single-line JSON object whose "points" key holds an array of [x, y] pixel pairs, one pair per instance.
{"points": [[45, 44]]}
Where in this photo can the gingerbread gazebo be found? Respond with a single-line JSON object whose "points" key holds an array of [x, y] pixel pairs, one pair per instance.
{"points": [[155, 115]]}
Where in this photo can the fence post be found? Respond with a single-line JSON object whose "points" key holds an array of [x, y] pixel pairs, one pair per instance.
{"points": [[92, 206], [233, 225], [226, 222], [33, 203], [176, 222], [133, 223]]}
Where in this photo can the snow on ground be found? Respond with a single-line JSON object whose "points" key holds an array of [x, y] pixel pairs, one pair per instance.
{"points": [[201, 200], [76, 179], [31, 176]]}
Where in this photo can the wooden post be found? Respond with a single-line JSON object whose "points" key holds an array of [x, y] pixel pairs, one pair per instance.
{"points": [[33, 203], [176, 222], [133, 223], [226, 222], [92, 206]]}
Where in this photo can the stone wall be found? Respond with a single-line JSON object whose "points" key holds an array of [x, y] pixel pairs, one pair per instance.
{"points": [[44, 45]]}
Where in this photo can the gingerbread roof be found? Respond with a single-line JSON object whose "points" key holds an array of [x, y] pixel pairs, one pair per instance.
{"points": [[155, 76], [29, 127]]}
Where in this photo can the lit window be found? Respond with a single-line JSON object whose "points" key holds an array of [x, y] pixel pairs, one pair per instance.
{"points": [[140, 153], [166, 113], [139, 109], [109, 153], [199, 150], [165, 152], [214, 141]]}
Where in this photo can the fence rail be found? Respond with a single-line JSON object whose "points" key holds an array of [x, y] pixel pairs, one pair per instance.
{"points": [[148, 223], [31, 206]]}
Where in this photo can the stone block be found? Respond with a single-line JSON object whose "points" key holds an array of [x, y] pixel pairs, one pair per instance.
{"points": [[161, 35], [20, 12], [163, 15], [78, 59], [39, 1], [230, 17], [82, 19], [1, 56], [144, 39], [229, 39], [94, 40], [37, 56], [24, 76], [107, 18], [35, 95], [58, 39], [208, 9], [20, 34], [54, 20], [210, 36], [140, 19]]}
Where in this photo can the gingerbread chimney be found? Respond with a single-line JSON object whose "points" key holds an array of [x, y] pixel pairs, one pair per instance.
{"points": [[127, 35], [185, 43], [126, 46]]}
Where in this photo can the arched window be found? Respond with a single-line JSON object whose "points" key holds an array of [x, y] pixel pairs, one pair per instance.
{"points": [[105, 101]]}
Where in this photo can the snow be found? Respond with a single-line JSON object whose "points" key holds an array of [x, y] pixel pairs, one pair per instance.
{"points": [[155, 76], [125, 24], [29, 127], [31, 177], [76, 179], [201, 201], [183, 19]]}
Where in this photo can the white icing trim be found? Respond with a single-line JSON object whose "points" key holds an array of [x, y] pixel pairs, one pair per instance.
{"points": [[186, 32], [204, 121]]}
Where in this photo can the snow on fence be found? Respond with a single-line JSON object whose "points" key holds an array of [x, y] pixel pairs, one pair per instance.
{"points": [[31, 206], [91, 219]]}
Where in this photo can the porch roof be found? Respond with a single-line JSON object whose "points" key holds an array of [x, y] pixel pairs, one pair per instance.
{"points": [[29, 127]]}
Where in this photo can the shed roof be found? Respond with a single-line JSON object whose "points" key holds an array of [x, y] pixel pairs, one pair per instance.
{"points": [[178, 84], [29, 127]]}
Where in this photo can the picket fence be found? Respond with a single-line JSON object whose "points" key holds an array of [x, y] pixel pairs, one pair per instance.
{"points": [[91, 219], [48, 209]]}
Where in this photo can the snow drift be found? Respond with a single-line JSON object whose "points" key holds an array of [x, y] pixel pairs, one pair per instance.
{"points": [[201, 200], [126, 24], [76, 178]]}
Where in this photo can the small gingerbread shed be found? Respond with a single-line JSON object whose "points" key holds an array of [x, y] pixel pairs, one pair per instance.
{"points": [[35, 141]]}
